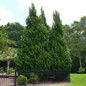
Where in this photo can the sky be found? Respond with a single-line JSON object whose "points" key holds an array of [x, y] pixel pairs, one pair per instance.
{"points": [[18, 10]]}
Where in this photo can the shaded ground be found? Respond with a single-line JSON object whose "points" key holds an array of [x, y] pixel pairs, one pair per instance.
{"points": [[10, 82], [76, 80], [48, 84]]}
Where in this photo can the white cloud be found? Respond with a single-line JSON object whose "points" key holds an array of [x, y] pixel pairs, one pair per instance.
{"points": [[69, 10], [5, 16]]}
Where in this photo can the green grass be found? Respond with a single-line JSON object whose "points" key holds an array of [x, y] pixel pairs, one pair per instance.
{"points": [[76, 80]]}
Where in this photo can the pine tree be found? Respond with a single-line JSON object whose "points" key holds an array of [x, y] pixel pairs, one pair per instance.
{"points": [[60, 55], [33, 53]]}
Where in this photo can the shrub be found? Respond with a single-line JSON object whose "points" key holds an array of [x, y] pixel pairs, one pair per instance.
{"points": [[1, 68], [81, 70], [22, 79], [33, 77], [11, 72]]}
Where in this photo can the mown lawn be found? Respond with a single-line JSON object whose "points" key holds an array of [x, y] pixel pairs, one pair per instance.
{"points": [[76, 80]]}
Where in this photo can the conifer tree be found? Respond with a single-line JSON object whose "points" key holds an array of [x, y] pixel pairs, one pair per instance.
{"points": [[60, 55], [33, 53], [43, 19]]}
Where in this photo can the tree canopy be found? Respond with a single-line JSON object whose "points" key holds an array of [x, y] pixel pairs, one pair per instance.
{"points": [[3, 39], [14, 31], [33, 52], [59, 52]]}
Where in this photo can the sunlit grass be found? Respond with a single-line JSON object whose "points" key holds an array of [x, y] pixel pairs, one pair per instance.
{"points": [[76, 80]]}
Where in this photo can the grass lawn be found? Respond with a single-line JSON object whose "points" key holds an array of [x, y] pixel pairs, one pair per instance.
{"points": [[76, 80]]}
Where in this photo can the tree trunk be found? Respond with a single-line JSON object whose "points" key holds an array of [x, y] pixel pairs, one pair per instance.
{"points": [[8, 64], [79, 52], [80, 63], [80, 59]]}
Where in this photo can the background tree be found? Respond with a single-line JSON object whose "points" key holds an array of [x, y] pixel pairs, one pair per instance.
{"points": [[3, 39], [14, 31], [6, 51], [3, 42], [77, 43], [67, 33], [8, 55], [76, 40]]}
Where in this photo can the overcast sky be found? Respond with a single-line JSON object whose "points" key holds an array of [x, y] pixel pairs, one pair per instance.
{"points": [[17, 10]]}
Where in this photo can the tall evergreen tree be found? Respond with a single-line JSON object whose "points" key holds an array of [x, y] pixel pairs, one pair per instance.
{"points": [[43, 19], [33, 53], [60, 55]]}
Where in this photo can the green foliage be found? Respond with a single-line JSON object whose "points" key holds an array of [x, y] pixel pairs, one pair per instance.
{"points": [[11, 71], [67, 32], [75, 37], [3, 39], [9, 54], [81, 70], [33, 77], [22, 80], [43, 19], [59, 52], [1, 68], [14, 31], [33, 52], [75, 64], [32, 19], [38, 50]]}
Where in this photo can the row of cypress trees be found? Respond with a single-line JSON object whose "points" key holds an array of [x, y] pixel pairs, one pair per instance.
{"points": [[42, 47]]}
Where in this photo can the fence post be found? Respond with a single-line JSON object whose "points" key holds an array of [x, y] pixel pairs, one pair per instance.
{"points": [[15, 79]]}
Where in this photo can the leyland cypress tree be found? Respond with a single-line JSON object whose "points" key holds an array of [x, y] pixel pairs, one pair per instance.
{"points": [[43, 19], [60, 55], [33, 52]]}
